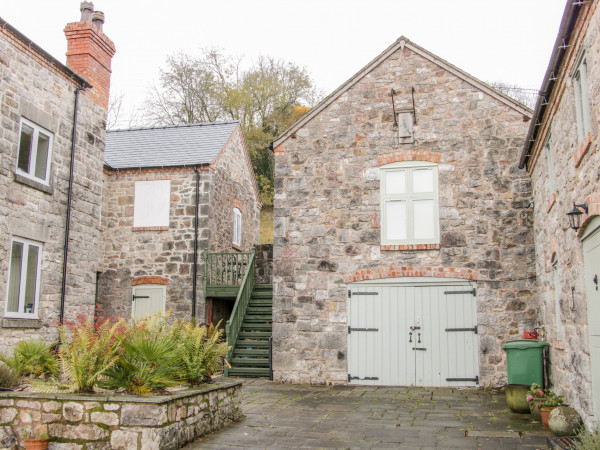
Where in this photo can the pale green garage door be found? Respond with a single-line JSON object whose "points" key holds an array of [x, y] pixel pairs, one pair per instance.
{"points": [[421, 332], [591, 258]]}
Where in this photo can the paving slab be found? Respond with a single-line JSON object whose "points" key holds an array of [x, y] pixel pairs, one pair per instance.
{"points": [[301, 416]]}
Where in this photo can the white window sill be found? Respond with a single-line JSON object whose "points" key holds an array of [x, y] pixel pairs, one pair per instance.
{"points": [[33, 183]]}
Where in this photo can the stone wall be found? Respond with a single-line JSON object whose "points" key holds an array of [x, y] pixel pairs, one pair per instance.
{"points": [[120, 422], [264, 264], [38, 89], [327, 211], [576, 178], [234, 186], [130, 253]]}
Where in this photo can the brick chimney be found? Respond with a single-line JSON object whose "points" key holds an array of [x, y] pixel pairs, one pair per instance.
{"points": [[90, 51]]}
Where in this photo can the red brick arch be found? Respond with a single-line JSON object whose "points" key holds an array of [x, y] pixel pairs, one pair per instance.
{"points": [[412, 271], [149, 280], [408, 155], [593, 202]]}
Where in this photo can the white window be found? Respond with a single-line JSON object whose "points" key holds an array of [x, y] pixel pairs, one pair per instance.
{"points": [[550, 161], [409, 203], [23, 278], [237, 227], [560, 331], [582, 100], [151, 203], [35, 152]]}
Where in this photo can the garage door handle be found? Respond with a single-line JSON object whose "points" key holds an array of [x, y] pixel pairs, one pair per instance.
{"points": [[419, 348], [410, 337]]}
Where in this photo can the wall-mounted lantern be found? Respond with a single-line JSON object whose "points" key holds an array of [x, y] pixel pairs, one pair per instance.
{"points": [[575, 215]]}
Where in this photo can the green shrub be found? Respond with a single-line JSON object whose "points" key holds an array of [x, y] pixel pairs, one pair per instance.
{"points": [[88, 349], [150, 360], [8, 378], [590, 440], [32, 357], [201, 349]]}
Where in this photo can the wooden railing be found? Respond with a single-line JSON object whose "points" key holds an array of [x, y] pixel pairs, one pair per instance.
{"points": [[234, 324], [223, 270]]}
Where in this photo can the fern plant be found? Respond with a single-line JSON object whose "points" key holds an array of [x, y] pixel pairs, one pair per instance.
{"points": [[89, 349], [201, 349], [150, 362], [32, 357]]}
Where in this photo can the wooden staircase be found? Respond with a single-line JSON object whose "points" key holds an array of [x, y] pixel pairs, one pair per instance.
{"points": [[251, 350]]}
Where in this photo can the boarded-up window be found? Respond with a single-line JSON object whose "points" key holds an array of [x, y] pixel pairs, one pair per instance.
{"points": [[151, 204], [405, 127]]}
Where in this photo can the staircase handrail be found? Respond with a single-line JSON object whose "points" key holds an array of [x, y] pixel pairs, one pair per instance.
{"points": [[234, 324]]}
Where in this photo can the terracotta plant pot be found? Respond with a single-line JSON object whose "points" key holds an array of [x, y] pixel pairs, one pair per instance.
{"points": [[36, 444], [534, 408], [545, 412]]}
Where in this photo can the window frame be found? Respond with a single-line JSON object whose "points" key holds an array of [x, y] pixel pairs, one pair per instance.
{"points": [[20, 303], [237, 227], [409, 197], [34, 152], [558, 324], [551, 166], [583, 111]]}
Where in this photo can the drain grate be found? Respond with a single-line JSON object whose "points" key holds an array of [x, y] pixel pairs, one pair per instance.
{"points": [[566, 443]]}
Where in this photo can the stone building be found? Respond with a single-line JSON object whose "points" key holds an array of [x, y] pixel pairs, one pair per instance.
{"points": [[403, 247], [51, 156], [561, 155], [155, 182]]}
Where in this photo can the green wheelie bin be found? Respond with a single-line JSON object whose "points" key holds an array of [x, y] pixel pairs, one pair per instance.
{"points": [[525, 361]]}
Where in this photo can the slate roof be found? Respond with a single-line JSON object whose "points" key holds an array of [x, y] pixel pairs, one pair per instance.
{"points": [[180, 145]]}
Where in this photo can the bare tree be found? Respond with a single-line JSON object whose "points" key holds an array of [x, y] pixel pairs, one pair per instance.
{"points": [[266, 98], [527, 97]]}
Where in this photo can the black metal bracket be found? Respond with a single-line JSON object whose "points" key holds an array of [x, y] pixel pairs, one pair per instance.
{"points": [[475, 380], [350, 378], [350, 329], [473, 292], [419, 348], [134, 297], [474, 329]]}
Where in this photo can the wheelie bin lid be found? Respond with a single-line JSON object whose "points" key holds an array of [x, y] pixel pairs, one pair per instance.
{"points": [[522, 344]]}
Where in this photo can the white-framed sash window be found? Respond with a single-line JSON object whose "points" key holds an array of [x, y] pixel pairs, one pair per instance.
{"points": [[237, 227], [35, 152], [582, 99], [25, 262], [409, 203]]}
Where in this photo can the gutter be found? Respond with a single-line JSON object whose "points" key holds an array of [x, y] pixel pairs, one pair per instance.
{"points": [[80, 80], [83, 86], [564, 33]]}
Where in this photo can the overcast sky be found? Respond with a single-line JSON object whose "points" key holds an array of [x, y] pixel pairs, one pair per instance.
{"points": [[493, 40]]}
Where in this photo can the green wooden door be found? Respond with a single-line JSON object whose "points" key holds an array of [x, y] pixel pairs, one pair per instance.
{"points": [[591, 258]]}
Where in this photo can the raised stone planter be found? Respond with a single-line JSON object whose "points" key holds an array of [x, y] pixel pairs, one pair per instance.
{"points": [[74, 421]]}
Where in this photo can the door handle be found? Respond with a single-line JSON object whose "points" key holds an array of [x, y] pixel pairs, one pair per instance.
{"points": [[595, 280], [415, 328], [419, 338], [410, 337]]}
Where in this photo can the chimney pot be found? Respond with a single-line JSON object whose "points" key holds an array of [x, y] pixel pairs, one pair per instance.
{"points": [[98, 19], [86, 9]]}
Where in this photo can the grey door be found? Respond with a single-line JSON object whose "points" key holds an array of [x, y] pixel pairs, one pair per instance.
{"points": [[591, 258], [420, 334]]}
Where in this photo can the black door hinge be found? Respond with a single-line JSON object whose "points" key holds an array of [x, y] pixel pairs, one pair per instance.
{"points": [[350, 329], [474, 380], [473, 292], [350, 378], [474, 329]]}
